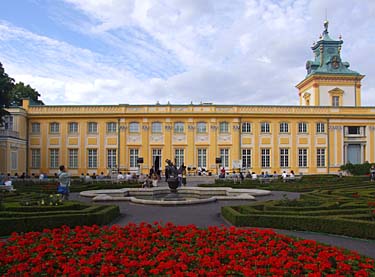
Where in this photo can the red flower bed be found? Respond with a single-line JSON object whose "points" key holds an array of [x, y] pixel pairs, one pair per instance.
{"points": [[156, 250]]}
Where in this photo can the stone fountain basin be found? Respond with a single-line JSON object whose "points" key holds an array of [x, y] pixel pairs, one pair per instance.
{"points": [[192, 195]]}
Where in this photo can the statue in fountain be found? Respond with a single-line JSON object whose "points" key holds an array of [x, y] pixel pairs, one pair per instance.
{"points": [[172, 173]]}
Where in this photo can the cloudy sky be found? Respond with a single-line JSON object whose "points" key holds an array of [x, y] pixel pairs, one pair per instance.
{"points": [[143, 51]]}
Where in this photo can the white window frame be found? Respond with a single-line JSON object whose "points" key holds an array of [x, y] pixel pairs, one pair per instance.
{"points": [[246, 127], [265, 157], [246, 158], [54, 158], [284, 157], [179, 127], [320, 157], [73, 127], [224, 155], [35, 158], [92, 127], [73, 158], [134, 127], [202, 157], [35, 128], [201, 127], [302, 157], [335, 101], [133, 157], [320, 127], [156, 127], [179, 156], [302, 127], [54, 128], [14, 160], [224, 127], [112, 158], [265, 127], [284, 127], [111, 127], [92, 158]]}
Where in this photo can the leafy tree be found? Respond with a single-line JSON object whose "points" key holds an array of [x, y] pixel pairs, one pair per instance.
{"points": [[21, 91], [6, 86]]}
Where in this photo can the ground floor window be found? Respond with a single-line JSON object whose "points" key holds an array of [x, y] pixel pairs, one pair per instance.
{"points": [[14, 160], [246, 158], [133, 157], [224, 155], [179, 157], [156, 158], [35, 158], [320, 157], [265, 158], [284, 157], [111, 158], [202, 157], [73, 158], [302, 157], [92, 158], [54, 158]]}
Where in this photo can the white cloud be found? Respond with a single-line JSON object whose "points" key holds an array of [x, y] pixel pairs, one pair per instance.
{"points": [[229, 52]]}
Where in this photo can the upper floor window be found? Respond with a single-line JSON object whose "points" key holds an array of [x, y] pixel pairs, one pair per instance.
{"points": [[179, 127], [224, 127], [335, 101], [264, 127], [156, 127], [246, 127], [284, 127], [92, 127], [35, 128], [111, 127], [320, 127], [54, 127], [73, 127], [354, 130], [201, 127], [8, 122], [302, 127], [133, 127]]}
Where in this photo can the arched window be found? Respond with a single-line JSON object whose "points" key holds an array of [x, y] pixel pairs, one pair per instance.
{"points": [[133, 127], [179, 127], [156, 127], [224, 127], [201, 127]]}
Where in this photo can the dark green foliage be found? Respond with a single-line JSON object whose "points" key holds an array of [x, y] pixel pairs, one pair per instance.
{"points": [[357, 169], [21, 91], [6, 85], [342, 209]]}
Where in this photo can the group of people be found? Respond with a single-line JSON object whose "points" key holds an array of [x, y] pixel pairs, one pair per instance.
{"points": [[252, 175]]}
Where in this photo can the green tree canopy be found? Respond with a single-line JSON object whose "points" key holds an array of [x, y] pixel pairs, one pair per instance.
{"points": [[6, 85], [21, 91]]}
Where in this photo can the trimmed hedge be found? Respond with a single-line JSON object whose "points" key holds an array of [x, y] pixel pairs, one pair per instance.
{"points": [[341, 211], [31, 220]]}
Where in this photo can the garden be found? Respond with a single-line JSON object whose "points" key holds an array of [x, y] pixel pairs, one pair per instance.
{"points": [[168, 250]]}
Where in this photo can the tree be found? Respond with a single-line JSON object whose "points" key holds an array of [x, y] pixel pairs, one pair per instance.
{"points": [[6, 86], [20, 91]]}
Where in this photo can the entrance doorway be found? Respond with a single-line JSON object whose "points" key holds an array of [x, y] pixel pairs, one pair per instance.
{"points": [[354, 154]]}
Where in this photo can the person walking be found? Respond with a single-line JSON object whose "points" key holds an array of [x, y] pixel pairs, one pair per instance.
{"points": [[64, 182], [372, 173]]}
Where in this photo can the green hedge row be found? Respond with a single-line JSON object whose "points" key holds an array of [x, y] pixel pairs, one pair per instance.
{"points": [[34, 221]]}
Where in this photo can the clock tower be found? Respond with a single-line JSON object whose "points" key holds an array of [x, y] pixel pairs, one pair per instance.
{"points": [[329, 81]]}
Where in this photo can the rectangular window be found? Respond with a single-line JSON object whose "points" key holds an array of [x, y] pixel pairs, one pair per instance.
{"points": [[14, 160], [156, 127], [321, 157], [354, 130], [224, 155], [335, 101], [156, 155], [73, 127], [320, 127], [302, 127], [111, 158], [284, 127], [54, 128], [54, 158], [8, 123], [92, 127], [92, 158], [73, 158], [302, 157], [35, 158], [179, 157], [202, 157], [224, 127], [133, 156], [264, 127], [246, 158], [179, 127], [35, 128], [246, 127], [284, 157], [266, 159]]}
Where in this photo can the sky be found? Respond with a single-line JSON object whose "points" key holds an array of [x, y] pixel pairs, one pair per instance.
{"points": [[242, 52]]}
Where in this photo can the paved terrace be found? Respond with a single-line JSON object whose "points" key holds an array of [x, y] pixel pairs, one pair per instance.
{"points": [[204, 215]]}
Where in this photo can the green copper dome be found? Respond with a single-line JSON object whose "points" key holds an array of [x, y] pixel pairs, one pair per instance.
{"points": [[327, 56]]}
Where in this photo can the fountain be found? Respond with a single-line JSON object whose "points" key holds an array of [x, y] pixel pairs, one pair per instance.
{"points": [[173, 182]]}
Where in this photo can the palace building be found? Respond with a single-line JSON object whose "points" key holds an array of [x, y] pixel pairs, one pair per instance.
{"points": [[328, 129]]}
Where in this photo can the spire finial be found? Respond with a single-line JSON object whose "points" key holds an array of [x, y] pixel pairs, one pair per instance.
{"points": [[326, 26]]}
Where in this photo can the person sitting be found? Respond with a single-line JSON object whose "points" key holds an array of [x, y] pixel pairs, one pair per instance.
{"points": [[291, 175], [254, 176], [284, 176], [87, 178], [275, 175], [120, 176]]}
